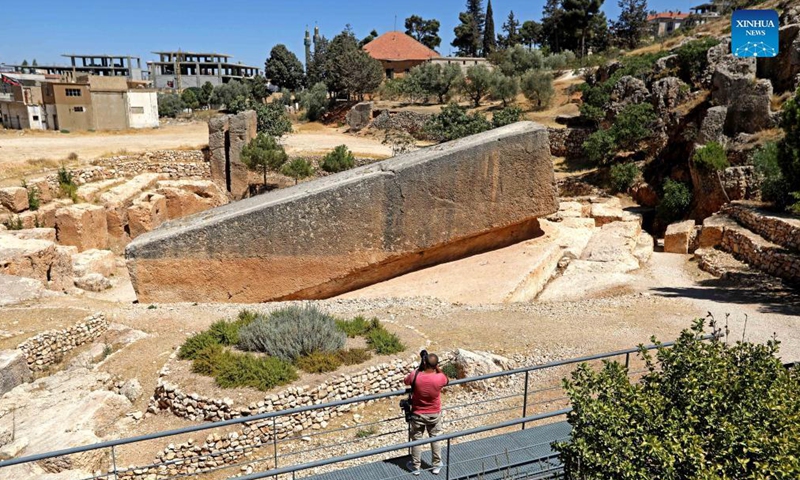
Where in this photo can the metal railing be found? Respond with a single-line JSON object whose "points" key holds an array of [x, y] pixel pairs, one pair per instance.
{"points": [[270, 421]]}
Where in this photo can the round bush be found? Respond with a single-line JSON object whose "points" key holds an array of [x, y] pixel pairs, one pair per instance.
{"points": [[623, 175], [319, 362], [291, 333]]}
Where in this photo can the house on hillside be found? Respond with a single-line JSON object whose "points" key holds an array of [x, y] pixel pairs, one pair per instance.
{"points": [[664, 23], [398, 53]]}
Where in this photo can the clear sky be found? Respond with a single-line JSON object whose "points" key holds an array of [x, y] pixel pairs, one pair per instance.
{"points": [[245, 29]]}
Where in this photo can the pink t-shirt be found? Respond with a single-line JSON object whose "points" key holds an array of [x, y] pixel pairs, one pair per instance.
{"points": [[426, 398]]}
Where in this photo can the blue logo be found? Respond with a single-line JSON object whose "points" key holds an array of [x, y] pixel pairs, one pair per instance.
{"points": [[754, 33]]}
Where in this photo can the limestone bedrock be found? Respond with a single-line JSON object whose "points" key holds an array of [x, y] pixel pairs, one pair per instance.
{"points": [[345, 231]]}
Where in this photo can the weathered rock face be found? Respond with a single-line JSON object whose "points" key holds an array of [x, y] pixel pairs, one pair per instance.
{"points": [[18, 289], [359, 116], [94, 261], [83, 226], [668, 93], [359, 227], [627, 90], [146, 213], [227, 136], [711, 129], [28, 258], [474, 364], [117, 201], [186, 197], [14, 198], [14, 370], [751, 111], [783, 69], [731, 75]]}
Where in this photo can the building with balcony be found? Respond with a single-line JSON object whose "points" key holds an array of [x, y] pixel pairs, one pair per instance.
{"points": [[126, 66], [180, 70]]}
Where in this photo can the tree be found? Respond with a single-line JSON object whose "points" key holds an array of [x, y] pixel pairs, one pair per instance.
{"points": [[25, 63], [578, 14], [372, 36], [512, 36], [789, 149], [469, 33], [315, 101], [477, 83], [359, 73], [225, 94], [265, 154], [503, 88], [34, 64], [169, 105], [425, 31], [552, 24], [704, 409], [189, 98], [453, 122], [530, 33], [283, 68], [537, 86], [489, 37], [517, 60], [259, 88], [341, 45], [272, 119], [318, 65], [431, 79], [631, 25], [205, 94], [338, 160], [299, 168]]}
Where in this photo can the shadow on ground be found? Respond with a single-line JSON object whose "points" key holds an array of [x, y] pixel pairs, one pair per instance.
{"points": [[771, 296]]}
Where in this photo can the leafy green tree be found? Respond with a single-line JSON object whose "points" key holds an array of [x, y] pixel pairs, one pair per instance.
{"points": [[675, 201], [283, 68], [553, 31], [504, 88], [623, 175], [315, 101], [434, 80], [489, 36], [372, 36], [711, 157], [34, 63], [226, 93], [299, 168], [359, 73], [318, 64], [631, 25], [506, 116], [634, 124], [453, 122], [512, 36], [25, 63], [477, 83], [265, 154], [600, 146], [469, 32], [530, 33], [424, 31], [259, 88], [189, 98], [537, 86], [578, 14], [273, 120], [774, 188], [704, 409], [789, 148], [169, 105], [517, 60], [205, 94], [338, 160]]}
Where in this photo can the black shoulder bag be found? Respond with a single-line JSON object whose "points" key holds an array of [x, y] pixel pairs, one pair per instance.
{"points": [[405, 404]]}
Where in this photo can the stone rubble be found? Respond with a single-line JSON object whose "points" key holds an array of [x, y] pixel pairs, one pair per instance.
{"points": [[48, 348]]}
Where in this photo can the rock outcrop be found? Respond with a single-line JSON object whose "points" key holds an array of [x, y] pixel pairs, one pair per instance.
{"points": [[14, 370], [359, 116], [84, 226], [14, 198], [334, 234]]}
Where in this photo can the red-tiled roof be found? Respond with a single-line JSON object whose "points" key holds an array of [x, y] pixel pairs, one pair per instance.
{"points": [[667, 16], [398, 46]]}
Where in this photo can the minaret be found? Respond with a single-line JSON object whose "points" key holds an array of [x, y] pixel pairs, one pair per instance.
{"points": [[307, 43], [317, 38]]}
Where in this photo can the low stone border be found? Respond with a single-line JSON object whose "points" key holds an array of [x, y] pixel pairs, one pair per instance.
{"points": [[774, 229], [48, 348]]}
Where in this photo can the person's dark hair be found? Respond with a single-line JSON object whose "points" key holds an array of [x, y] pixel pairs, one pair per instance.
{"points": [[427, 360]]}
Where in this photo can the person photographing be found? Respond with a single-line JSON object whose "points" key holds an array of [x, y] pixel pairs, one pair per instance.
{"points": [[426, 384]]}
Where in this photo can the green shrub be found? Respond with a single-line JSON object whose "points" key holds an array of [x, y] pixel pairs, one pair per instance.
{"points": [[774, 188], [367, 432], [711, 157], [693, 59], [600, 146], [14, 223], [194, 344], [224, 332], [169, 105], [537, 86], [298, 169], [315, 101], [633, 124], [384, 342], [206, 360], [354, 356], [356, 327], [453, 122], [623, 175], [66, 184], [245, 318], [291, 333], [789, 148], [503, 88], [34, 202], [64, 130], [506, 116], [247, 370], [450, 370], [264, 153], [319, 362], [702, 410], [675, 202], [339, 160]]}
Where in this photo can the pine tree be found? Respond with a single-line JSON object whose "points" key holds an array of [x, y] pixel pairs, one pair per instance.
{"points": [[469, 33], [578, 16], [489, 37], [425, 31], [552, 24], [632, 23], [513, 35], [530, 33]]}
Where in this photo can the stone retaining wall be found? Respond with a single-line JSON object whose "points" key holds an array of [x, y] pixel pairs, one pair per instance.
{"points": [[568, 142], [774, 261], [48, 348], [783, 232]]}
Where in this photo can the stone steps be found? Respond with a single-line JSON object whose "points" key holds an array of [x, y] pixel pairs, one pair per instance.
{"points": [[780, 229], [723, 232]]}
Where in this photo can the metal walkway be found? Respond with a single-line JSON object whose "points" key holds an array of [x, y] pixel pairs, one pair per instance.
{"points": [[521, 454]]}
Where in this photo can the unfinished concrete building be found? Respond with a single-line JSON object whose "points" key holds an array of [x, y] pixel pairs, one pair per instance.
{"points": [[126, 66], [179, 70]]}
